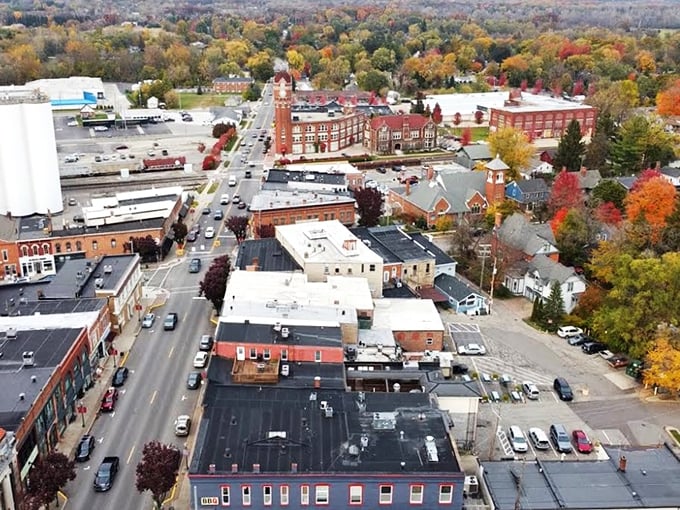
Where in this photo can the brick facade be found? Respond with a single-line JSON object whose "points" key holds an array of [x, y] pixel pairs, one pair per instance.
{"points": [[344, 212], [543, 124], [231, 85], [390, 133], [419, 341]]}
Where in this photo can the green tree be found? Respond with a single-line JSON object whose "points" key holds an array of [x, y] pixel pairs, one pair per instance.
{"points": [[608, 191], [553, 308], [157, 471], [572, 238], [372, 80], [570, 149], [253, 92], [629, 148], [513, 147], [599, 149]]}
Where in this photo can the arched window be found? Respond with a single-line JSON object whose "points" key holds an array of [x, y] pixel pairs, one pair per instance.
{"points": [[95, 245], [113, 243], [79, 246], [57, 247], [35, 249], [68, 246], [46, 248], [24, 251]]}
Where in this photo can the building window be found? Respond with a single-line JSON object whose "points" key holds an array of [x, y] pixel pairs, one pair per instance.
{"points": [[113, 243], [385, 495], [283, 495], [326, 270], [304, 494], [224, 495], [416, 495], [371, 268], [321, 494], [284, 354], [337, 270], [570, 287], [445, 494], [245, 495], [349, 270], [68, 247], [79, 246], [24, 251], [429, 341], [267, 495], [317, 356], [95, 245], [46, 249], [267, 354], [253, 353], [57, 247], [356, 494], [427, 268], [5, 256], [36, 250], [475, 209]]}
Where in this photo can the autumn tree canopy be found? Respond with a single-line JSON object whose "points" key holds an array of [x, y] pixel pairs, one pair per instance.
{"points": [[662, 363], [566, 192], [654, 200], [513, 147], [668, 100]]}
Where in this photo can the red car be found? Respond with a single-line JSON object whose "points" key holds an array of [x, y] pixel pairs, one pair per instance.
{"points": [[109, 400], [581, 441]]}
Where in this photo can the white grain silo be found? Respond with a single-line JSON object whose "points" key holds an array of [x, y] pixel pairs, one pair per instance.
{"points": [[29, 165]]}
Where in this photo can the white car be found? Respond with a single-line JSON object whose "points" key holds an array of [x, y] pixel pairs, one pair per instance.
{"points": [[472, 349], [147, 322], [567, 331], [224, 199], [201, 359], [209, 233], [182, 425]]}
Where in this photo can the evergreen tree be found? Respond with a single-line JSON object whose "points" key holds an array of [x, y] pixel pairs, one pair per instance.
{"points": [[571, 149], [554, 307], [599, 150], [629, 148], [419, 107]]}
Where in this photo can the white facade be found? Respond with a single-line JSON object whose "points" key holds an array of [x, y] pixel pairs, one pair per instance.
{"points": [[29, 165]]}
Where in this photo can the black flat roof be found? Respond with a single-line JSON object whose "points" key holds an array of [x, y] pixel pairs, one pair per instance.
{"points": [[22, 299], [320, 336], [270, 254], [278, 427], [281, 176], [127, 226], [364, 234]]}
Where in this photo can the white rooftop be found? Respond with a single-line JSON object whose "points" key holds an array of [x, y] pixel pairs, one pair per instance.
{"points": [[283, 199], [132, 205], [338, 167], [11, 94], [271, 312], [540, 103], [68, 88], [287, 289], [325, 241], [406, 315]]}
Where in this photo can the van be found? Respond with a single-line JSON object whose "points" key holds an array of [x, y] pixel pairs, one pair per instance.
{"points": [[224, 199], [560, 438], [530, 390], [517, 439], [232, 181], [539, 438]]}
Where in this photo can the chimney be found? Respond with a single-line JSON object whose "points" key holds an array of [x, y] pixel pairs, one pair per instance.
{"points": [[234, 468], [408, 188], [622, 463], [498, 220], [430, 173], [211, 469], [294, 467], [317, 381], [256, 468], [583, 171]]}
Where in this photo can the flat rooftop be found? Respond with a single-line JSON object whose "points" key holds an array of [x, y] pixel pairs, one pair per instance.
{"points": [[269, 200], [283, 430], [32, 227], [274, 311], [337, 167], [267, 254], [85, 277], [298, 335], [22, 95], [401, 244], [406, 315], [282, 289], [307, 176]]}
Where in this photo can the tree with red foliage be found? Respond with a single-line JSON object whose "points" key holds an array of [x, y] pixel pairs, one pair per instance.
{"points": [[608, 214], [558, 219], [538, 86], [524, 85], [502, 80], [566, 192], [437, 114], [578, 88], [479, 116], [457, 118], [369, 205], [47, 476], [157, 470], [209, 162], [214, 284], [238, 226], [265, 231], [645, 176], [466, 136]]}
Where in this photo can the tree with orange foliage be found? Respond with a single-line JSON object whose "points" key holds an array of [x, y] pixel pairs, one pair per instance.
{"points": [[668, 101], [558, 219], [652, 203]]}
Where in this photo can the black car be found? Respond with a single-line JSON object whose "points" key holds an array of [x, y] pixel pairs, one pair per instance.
{"points": [[458, 369], [84, 449], [106, 474], [593, 347], [119, 376], [381, 170], [170, 321], [563, 389], [194, 380], [206, 210]]}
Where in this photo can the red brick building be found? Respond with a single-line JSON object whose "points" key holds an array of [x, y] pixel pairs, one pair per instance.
{"points": [[231, 85], [542, 116], [390, 133]]}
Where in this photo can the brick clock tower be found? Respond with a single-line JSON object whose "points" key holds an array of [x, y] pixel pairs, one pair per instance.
{"points": [[283, 91], [495, 181]]}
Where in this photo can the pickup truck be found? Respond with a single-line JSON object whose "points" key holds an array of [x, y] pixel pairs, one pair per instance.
{"points": [[106, 474]]}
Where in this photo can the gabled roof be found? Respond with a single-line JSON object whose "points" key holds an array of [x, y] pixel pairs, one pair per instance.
{"points": [[531, 238], [454, 287], [455, 187], [532, 185], [549, 271], [413, 120], [627, 181], [496, 164], [477, 152], [670, 171], [589, 179]]}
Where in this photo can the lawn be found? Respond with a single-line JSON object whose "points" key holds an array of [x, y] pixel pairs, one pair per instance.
{"points": [[190, 100], [478, 132]]}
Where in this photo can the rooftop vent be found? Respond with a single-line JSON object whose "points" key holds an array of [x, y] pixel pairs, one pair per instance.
{"points": [[11, 333], [22, 396], [328, 412], [277, 326], [285, 332], [234, 468], [28, 358], [108, 269], [211, 469], [384, 421], [431, 448], [364, 441], [99, 283], [353, 450], [34, 379]]}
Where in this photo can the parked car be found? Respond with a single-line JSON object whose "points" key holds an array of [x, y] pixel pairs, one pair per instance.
{"points": [[530, 390], [381, 170], [567, 331], [563, 389], [109, 400], [581, 441], [120, 376], [209, 233], [195, 265], [539, 438], [201, 359], [194, 380], [593, 347], [182, 425], [106, 474], [84, 449], [148, 320], [191, 236], [618, 361], [560, 438], [72, 201], [170, 321], [458, 369], [605, 354], [517, 439], [236, 199], [205, 343], [219, 214], [579, 339], [241, 205], [472, 349]]}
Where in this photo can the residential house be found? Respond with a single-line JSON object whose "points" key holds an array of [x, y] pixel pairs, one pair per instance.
{"points": [[407, 132], [548, 156], [461, 296], [328, 248], [535, 278], [536, 168], [671, 174], [528, 194], [627, 181], [588, 179], [474, 154], [518, 239], [453, 192]]}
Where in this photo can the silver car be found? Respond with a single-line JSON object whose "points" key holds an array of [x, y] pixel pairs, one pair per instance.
{"points": [[147, 322]]}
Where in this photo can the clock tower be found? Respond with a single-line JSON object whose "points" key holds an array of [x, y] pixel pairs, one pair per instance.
{"points": [[283, 91]]}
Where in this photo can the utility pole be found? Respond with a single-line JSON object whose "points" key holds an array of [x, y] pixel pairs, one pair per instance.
{"points": [[484, 252]]}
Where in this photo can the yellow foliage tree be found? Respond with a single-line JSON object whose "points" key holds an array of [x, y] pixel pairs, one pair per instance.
{"points": [[663, 362], [443, 224], [513, 147]]}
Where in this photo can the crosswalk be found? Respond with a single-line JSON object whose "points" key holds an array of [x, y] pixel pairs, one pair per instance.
{"points": [[491, 366]]}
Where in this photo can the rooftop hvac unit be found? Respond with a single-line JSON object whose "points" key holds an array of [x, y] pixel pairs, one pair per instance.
{"points": [[28, 358], [108, 269], [11, 333], [431, 448], [277, 326], [285, 332], [99, 283], [328, 412]]}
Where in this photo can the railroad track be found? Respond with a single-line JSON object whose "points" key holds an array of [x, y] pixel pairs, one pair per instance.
{"points": [[84, 183]]}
